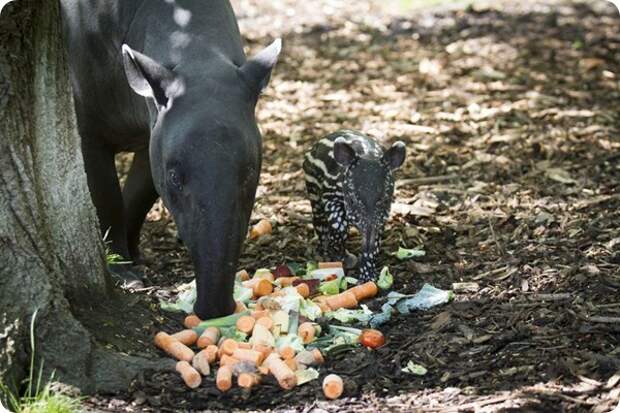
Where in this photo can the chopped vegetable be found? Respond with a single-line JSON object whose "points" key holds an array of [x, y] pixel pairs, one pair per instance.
{"points": [[345, 315], [372, 338], [332, 386], [284, 375], [330, 287], [201, 363], [310, 310], [187, 337], [343, 300], [306, 375], [189, 374], [385, 279], [282, 271], [173, 347], [336, 264], [363, 291], [307, 331], [223, 380], [245, 324], [191, 321], [226, 321], [406, 253]]}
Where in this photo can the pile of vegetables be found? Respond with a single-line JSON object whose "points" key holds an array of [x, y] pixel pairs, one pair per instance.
{"points": [[286, 322], [274, 330]]}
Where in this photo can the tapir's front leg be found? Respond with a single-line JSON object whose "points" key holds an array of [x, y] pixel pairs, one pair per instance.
{"points": [[106, 195], [139, 194]]}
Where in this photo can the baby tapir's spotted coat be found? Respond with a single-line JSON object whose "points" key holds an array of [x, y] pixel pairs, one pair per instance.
{"points": [[350, 181]]}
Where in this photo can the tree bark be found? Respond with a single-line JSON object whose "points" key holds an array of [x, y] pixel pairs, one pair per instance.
{"points": [[51, 257]]}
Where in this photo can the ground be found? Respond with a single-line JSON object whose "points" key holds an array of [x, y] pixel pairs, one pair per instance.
{"points": [[509, 113]]}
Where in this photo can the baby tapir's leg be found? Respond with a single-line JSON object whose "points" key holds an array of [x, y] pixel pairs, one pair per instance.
{"points": [[332, 229]]}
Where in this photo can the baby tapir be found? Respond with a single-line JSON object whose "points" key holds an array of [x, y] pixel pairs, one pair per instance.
{"points": [[350, 181]]}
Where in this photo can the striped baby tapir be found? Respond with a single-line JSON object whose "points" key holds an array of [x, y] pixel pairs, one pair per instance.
{"points": [[350, 182]]}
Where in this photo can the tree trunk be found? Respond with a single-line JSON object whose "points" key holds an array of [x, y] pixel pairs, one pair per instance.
{"points": [[51, 257]]}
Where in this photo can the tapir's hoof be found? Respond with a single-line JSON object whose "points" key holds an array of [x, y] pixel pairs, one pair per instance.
{"points": [[350, 261], [125, 276]]}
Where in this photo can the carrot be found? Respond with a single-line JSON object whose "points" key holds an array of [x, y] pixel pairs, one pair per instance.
{"points": [[240, 307], [223, 379], [253, 356], [363, 291], [343, 300], [190, 376], [332, 386], [266, 322], [318, 356], [173, 347], [334, 264], [321, 298], [211, 352], [260, 286], [287, 281], [283, 373], [263, 349], [210, 336], [287, 352], [259, 314], [245, 324], [228, 346], [263, 227], [248, 380], [307, 331], [291, 363], [187, 337], [324, 307], [191, 321], [303, 290], [242, 275], [244, 345], [201, 363], [227, 360]]}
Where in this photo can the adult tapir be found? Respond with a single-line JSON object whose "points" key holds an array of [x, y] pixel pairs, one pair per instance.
{"points": [[169, 81]]}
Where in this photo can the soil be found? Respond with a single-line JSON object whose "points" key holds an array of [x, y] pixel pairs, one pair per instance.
{"points": [[509, 113]]}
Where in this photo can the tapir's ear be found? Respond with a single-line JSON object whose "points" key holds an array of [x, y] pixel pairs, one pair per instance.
{"points": [[395, 156], [150, 79], [257, 70], [343, 152]]}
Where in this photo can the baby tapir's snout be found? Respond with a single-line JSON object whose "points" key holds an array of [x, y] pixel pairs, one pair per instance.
{"points": [[350, 181]]}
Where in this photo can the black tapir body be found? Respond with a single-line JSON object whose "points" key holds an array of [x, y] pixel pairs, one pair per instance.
{"points": [[169, 81]]}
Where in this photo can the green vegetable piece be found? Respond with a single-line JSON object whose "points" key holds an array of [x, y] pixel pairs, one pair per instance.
{"points": [[330, 287], [406, 253], [416, 369], [385, 279]]}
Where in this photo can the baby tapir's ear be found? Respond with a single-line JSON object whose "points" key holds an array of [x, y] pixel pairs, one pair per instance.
{"points": [[257, 70], [150, 79], [395, 156], [344, 154]]}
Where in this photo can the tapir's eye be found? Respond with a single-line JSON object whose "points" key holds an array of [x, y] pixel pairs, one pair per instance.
{"points": [[175, 179]]}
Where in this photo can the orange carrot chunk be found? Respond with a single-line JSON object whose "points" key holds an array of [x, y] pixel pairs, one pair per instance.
{"points": [[227, 360], [173, 347], [260, 286], [284, 375], [228, 346], [364, 291], [189, 374], [212, 353], [287, 352], [191, 321], [343, 300], [248, 380], [332, 386], [303, 290], [223, 379], [307, 332], [334, 264], [210, 336], [318, 356], [263, 227], [244, 345], [253, 356], [187, 337], [245, 324], [266, 322]]}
